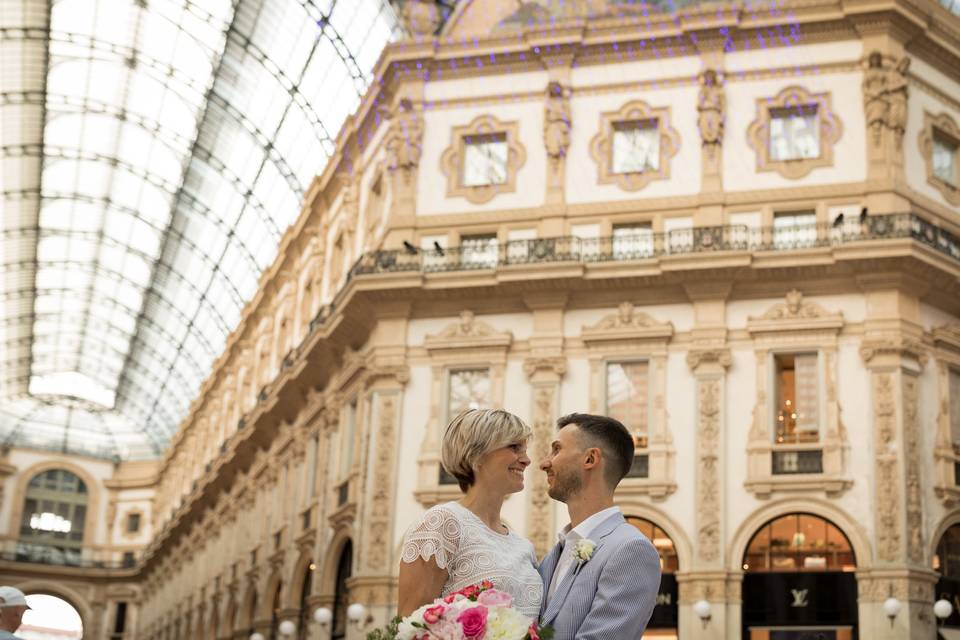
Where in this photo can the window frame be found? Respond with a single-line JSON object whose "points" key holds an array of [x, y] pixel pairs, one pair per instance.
{"points": [[943, 126], [829, 129], [453, 157], [602, 145]]}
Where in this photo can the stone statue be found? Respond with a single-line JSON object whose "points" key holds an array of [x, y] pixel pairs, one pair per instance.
{"points": [[556, 121], [421, 17], [710, 106], [875, 101], [405, 140], [897, 91]]}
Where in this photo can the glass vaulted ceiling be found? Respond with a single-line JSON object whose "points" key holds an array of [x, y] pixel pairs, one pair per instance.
{"points": [[153, 152]]}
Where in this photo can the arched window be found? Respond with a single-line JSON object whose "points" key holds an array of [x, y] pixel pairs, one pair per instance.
{"points": [[946, 561], [660, 539], [54, 511], [304, 620], [275, 613], [341, 596], [799, 542]]}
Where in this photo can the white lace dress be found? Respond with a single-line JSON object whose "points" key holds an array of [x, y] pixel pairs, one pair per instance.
{"points": [[471, 552]]}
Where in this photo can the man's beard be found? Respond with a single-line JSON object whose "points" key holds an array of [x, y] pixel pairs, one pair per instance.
{"points": [[565, 486]]}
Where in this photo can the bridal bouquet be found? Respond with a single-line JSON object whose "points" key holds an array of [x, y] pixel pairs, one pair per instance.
{"points": [[476, 612]]}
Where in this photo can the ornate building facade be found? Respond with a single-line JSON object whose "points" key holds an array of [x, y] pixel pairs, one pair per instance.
{"points": [[735, 227]]}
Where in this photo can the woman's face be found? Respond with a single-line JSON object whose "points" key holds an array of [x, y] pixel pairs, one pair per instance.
{"points": [[502, 469]]}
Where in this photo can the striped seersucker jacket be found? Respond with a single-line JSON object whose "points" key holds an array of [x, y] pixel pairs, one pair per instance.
{"points": [[609, 597]]}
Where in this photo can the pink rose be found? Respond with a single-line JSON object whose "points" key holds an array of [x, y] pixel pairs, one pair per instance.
{"points": [[533, 632], [494, 598], [474, 622], [470, 591], [433, 614]]}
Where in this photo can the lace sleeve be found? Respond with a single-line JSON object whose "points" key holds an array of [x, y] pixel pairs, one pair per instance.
{"points": [[436, 535]]}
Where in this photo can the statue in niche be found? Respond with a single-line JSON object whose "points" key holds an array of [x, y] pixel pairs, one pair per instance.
{"points": [[710, 107], [556, 122], [406, 138], [876, 104]]}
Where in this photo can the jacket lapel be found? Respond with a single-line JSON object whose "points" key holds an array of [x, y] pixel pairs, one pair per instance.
{"points": [[547, 567], [602, 530]]}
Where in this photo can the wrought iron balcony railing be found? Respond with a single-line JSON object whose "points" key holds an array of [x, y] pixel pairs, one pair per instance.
{"points": [[13, 551], [644, 245]]}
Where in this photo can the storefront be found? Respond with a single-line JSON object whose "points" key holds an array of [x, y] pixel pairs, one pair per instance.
{"points": [[799, 582], [946, 562], [663, 623]]}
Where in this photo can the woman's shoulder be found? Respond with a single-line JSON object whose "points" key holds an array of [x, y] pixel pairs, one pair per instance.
{"points": [[441, 514]]}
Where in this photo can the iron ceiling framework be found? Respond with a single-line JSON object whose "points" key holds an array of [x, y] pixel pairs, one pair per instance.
{"points": [[152, 154]]}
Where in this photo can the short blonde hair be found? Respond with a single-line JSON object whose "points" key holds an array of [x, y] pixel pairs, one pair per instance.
{"points": [[472, 434]]}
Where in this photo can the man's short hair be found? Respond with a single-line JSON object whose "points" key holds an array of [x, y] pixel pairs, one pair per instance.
{"points": [[608, 435]]}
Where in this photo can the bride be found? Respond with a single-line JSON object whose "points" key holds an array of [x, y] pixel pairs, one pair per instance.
{"points": [[460, 543]]}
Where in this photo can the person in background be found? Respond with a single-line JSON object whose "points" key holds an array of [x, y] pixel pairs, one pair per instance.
{"points": [[13, 604]]}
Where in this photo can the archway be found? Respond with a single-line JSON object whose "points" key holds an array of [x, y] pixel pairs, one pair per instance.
{"points": [[303, 620], [946, 562], [342, 593], [51, 618], [53, 518], [799, 579], [275, 605], [665, 619]]}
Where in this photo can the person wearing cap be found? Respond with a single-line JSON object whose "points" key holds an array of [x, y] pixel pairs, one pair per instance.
{"points": [[13, 604]]}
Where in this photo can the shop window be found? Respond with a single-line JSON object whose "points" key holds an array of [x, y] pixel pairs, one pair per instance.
{"points": [[799, 542]]}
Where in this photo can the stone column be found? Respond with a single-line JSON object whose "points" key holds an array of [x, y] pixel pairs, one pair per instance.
{"points": [[544, 374], [708, 580], [894, 356]]}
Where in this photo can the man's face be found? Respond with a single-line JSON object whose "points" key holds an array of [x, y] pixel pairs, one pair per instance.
{"points": [[563, 465], [11, 617]]}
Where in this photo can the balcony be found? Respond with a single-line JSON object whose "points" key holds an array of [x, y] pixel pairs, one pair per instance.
{"points": [[20, 552], [698, 240]]}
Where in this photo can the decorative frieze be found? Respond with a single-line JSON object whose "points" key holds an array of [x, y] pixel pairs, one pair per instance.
{"points": [[380, 513], [886, 469]]}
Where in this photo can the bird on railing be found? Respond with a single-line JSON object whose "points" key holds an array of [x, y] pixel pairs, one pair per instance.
{"points": [[863, 215], [838, 221], [409, 248], [438, 248]]}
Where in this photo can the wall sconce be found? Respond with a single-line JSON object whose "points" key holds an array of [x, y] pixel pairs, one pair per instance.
{"points": [[287, 628], [358, 615], [323, 616], [891, 607], [702, 609], [942, 609]]}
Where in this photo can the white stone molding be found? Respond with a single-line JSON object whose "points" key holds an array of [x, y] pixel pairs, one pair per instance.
{"points": [[793, 326], [946, 451], [632, 335]]}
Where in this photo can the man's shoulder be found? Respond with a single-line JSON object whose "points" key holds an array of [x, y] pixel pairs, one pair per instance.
{"points": [[6, 635], [627, 534]]}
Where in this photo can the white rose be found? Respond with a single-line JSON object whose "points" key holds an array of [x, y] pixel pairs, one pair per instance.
{"points": [[584, 549]]}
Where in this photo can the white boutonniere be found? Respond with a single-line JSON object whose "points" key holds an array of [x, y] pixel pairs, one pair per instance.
{"points": [[584, 550]]}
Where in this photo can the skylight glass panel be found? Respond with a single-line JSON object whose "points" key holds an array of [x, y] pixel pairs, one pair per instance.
{"points": [[180, 138]]}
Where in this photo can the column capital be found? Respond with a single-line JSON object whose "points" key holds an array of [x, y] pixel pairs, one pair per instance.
{"points": [[719, 357]]}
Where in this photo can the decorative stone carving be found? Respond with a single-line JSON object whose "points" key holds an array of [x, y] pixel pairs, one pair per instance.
{"points": [[555, 365], [711, 106], [897, 89], [911, 455], [888, 493], [468, 332], [405, 140], [698, 357], [468, 327], [556, 133], [876, 102], [540, 510], [708, 472], [380, 513], [795, 307], [421, 18]]}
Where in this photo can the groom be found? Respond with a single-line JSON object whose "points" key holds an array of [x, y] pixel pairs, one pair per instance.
{"points": [[601, 580]]}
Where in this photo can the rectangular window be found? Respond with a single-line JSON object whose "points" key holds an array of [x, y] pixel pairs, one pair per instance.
{"points": [[627, 397], [133, 523], [479, 251], [129, 559], [636, 146], [794, 133], [797, 410], [485, 160], [944, 158], [468, 389], [632, 241], [954, 392], [795, 229]]}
